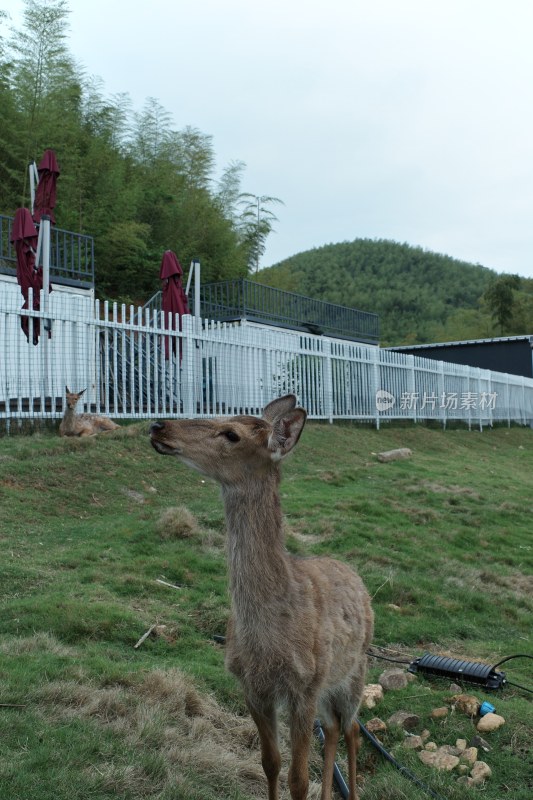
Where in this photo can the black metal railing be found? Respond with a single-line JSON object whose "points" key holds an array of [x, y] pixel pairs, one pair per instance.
{"points": [[71, 254], [244, 299]]}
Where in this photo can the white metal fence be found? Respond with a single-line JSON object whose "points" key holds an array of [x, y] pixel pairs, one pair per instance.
{"points": [[120, 354]]}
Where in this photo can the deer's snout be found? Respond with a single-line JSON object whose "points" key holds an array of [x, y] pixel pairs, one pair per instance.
{"points": [[162, 440]]}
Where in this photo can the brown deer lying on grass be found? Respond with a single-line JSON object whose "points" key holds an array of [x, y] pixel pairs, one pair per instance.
{"points": [[74, 424], [299, 627]]}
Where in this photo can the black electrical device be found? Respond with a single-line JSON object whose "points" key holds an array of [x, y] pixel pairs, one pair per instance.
{"points": [[455, 668]]}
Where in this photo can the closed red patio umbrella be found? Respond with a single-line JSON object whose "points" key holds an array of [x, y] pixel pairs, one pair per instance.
{"points": [[24, 236], [45, 194], [174, 298]]}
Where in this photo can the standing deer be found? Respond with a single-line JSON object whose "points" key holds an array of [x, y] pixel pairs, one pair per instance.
{"points": [[74, 424], [299, 627]]}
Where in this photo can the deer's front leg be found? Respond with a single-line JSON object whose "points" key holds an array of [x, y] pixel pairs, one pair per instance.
{"points": [[265, 720], [301, 727]]}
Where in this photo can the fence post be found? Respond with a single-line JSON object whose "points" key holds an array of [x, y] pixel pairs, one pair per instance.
{"points": [[412, 385], [187, 368], [507, 401], [375, 358], [442, 394], [329, 400], [94, 393]]}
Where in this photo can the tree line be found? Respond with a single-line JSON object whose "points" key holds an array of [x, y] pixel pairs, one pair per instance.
{"points": [[128, 178], [420, 296]]}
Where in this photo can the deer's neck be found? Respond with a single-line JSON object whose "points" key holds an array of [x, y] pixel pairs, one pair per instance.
{"points": [[257, 559], [69, 417]]}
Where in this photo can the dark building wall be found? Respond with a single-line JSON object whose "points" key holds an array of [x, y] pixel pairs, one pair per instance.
{"points": [[514, 356]]}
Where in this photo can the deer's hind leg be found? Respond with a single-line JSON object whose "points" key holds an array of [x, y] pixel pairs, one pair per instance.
{"points": [[331, 740], [351, 737], [265, 720]]}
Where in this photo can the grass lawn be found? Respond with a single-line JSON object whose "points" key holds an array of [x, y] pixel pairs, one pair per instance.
{"points": [[89, 542]]}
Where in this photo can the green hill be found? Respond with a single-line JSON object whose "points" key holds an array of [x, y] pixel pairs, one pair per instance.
{"points": [[420, 296]]}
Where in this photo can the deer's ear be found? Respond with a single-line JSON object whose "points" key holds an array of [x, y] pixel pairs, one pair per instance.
{"points": [[286, 431], [82, 392], [278, 407], [67, 390]]}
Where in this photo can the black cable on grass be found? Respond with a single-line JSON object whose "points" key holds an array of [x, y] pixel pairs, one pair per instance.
{"points": [[518, 686], [407, 772], [386, 658], [338, 778], [511, 683], [508, 658]]}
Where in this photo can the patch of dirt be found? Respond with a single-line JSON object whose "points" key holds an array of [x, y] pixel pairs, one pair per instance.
{"points": [[11, 483], [419, 516], [492, 583], [439, 488], [131, 494], [518, 583], [38, 643], [298, 531]]}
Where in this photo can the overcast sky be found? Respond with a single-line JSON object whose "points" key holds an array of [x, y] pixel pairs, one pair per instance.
{"points": [[408, 120]]}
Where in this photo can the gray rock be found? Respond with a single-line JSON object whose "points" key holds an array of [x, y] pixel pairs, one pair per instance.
{"points": [[393, 679], [439, 713], [438, 760], [413, 742], [478, 741], [480, 772], [376, 725], [490, 722], [449, 750], [469, 755], [372, 694], [394, 455], [404, 719], [465, 703]]}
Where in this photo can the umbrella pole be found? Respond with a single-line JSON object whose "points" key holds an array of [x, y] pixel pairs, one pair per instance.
{"points": [[39, 246], [191, 270], [194, 270], [196, 288], [34, 180], [45, 227]]}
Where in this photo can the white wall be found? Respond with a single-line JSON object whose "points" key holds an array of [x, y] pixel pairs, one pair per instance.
{"points": [[26, 370]]}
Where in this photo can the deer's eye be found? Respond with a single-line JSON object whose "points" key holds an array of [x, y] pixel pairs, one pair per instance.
{"points": [[232, 436]]}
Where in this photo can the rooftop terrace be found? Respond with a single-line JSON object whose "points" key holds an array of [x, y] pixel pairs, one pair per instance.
{"points": [[71, 255]]}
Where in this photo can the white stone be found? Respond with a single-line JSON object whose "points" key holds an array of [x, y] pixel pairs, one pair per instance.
{"points": [[413, 742], [372, 694], [480, 772], [490, 722], [469, 755]]}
